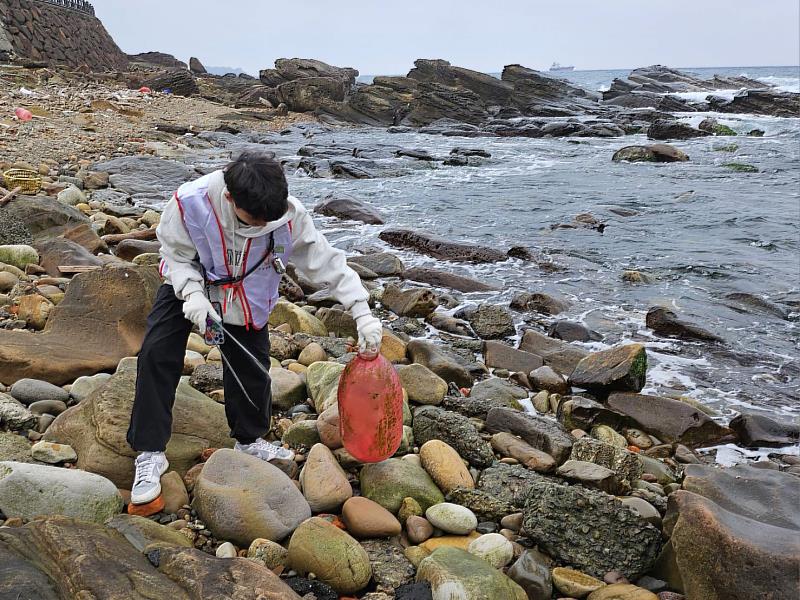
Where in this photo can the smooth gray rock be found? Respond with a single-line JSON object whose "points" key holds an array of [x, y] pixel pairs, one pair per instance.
{"points": [[29, 490], [540, 432], [29, 391]]}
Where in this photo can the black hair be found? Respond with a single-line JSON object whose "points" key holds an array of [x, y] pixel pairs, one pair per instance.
{"points": [[258, 185]]}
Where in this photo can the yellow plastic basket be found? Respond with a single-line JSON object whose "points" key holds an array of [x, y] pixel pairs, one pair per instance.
{"points": [[30, 182]]}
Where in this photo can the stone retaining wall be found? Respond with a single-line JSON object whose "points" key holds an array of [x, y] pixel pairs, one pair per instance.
{"points": [[49, 33]]}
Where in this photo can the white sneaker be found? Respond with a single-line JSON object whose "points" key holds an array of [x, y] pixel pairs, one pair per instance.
{"points": [[150, 466], [265, 450]]}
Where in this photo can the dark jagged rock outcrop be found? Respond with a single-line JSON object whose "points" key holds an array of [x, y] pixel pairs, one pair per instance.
{"points": [[440, 247], [157, 60], [180, 82], [539, 95], [760, 102]]}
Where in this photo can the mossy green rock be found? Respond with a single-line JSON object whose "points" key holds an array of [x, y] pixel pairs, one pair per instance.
{"points": [[302, 433], [392, 480], [455, 573], [741, 167], [720, 129], [332, 555], [322, 381], [19, 255], [298, 319], [622, 368]]}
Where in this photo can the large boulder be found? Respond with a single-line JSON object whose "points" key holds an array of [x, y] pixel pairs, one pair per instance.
{"points": [[96, 428], [673, 130], [32, 490], [101, 319], [759, 102], [490, 89], [319, 547], [589, 530], [241, 498], [734, 533], [665, 322], [651, 153], [758, 431], [40, 217], [669, 420], [61, 251], [537, 94], [540, 432], [180, 82], [508, 484], [433, 101], [347, 207], [290, 69], [622, 368], [455, 573], [309, 93], [441, 248]]}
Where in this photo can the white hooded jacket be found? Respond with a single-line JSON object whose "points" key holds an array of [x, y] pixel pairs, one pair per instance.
{"points": [[313, 256]]}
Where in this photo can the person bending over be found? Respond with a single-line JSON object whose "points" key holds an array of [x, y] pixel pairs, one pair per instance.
{"points": [[225, 239]]}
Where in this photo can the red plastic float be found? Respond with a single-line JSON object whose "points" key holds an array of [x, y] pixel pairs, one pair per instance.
{"points": [[370, 408], [23, 114]]}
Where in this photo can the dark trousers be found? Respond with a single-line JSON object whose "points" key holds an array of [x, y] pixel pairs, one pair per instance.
{"points": [[159, 370]]}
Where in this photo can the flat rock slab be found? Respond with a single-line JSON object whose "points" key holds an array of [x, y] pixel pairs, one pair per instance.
{"points": [[669, 420], [59, 557], [100, 320], [441, 248]]}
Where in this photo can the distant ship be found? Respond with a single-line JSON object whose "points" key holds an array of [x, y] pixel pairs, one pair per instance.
{"points": [[558, 67]]}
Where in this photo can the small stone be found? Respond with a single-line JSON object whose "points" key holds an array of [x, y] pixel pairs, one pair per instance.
{"points": [[614, 577], [311, 354], [29, 391], [418, 529], [324, 482], [367, 519], [271, 554], [541, 402], [226, 550], [546, 379], [638, 438], [445, 466], [532, 572], [408, 507], [50, 407], [622, 591], [52, 453], [574, 583], [493, 548], [606, 434], [414, 554], [485, 527], [512, 522], [452, 518], [173, 490]]}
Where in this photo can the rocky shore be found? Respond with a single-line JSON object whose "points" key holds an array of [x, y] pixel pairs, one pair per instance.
{"points": [[530, 467]]}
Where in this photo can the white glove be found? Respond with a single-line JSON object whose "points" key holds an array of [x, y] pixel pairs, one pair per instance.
{"points": [[196, 308], [370, 333], [370, 330]]}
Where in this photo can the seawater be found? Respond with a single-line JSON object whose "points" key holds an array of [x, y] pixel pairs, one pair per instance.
{"points": [[699, 229]]}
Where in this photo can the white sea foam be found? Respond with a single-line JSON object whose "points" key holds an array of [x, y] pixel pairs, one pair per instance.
{"points": [[782, 84], [729, 455]]}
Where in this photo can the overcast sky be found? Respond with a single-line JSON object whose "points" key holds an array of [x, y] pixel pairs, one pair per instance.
{"points": [[381, 37]]}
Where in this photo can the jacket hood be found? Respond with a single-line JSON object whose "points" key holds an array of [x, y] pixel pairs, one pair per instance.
{"points": [[224, 208]]}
